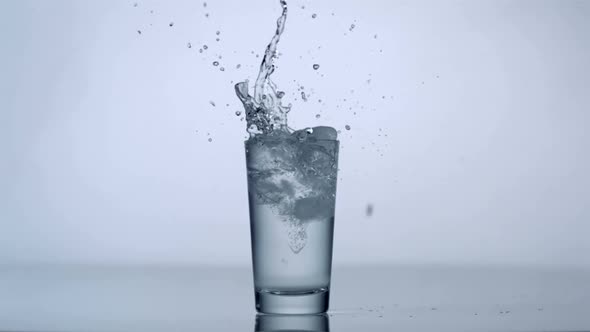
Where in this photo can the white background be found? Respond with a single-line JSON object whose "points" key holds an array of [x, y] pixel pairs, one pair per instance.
{"points": [[104, 156]]}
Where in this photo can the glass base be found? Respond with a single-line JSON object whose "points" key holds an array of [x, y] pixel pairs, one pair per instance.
{"points": [[293, 303], [275, 323]]}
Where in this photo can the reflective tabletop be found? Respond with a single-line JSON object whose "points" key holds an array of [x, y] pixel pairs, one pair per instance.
{"points": [[363, 298]]}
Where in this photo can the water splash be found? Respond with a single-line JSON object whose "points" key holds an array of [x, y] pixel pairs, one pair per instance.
{"points": [[265, 113]]}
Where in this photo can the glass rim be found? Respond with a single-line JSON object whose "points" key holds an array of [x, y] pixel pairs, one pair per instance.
{"points": [[312, 140]]}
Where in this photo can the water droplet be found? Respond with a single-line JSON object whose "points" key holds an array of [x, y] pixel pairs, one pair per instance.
{"points": [[171, 24], [212, 103], [204, 4], [210, 139], [207, 15], [369, 210], [352, 26], [222, 69], [317, 116], [347, 127], [314, 15], [189, 45], [217, 32], [216, 63], [319, 100], [151, 11], [200, 50], [139, 32], [281, 94], [238, 66], [375, 36], [316, 66], [135, 4], [303, 96], [238, 113], [217, 39]]}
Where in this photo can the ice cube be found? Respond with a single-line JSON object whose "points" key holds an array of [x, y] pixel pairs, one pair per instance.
{"points": [[323, 132], [310, 208]]}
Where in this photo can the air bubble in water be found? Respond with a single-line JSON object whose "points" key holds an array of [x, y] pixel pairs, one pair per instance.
{"points": [[316, 66], [216, 63]]}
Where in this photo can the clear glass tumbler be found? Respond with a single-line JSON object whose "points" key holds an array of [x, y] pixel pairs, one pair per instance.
{"points": [[292, 193]]}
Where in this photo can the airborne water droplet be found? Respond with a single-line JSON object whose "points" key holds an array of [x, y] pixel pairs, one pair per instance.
{"points": [[222, 69], [316, 66], [347, 127], [139, 32], [204, 4], [352, 26], [314, 15], [317, 116], [369, 211], [210, 139], [217, 32], [238, 113], [212, 103], [238, 66], [216, 63], [189, 45], [171, 24], [303, 96], [205, 47]]}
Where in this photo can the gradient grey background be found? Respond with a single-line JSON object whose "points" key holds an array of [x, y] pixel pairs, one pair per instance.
{"points": [[484, 104]]}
